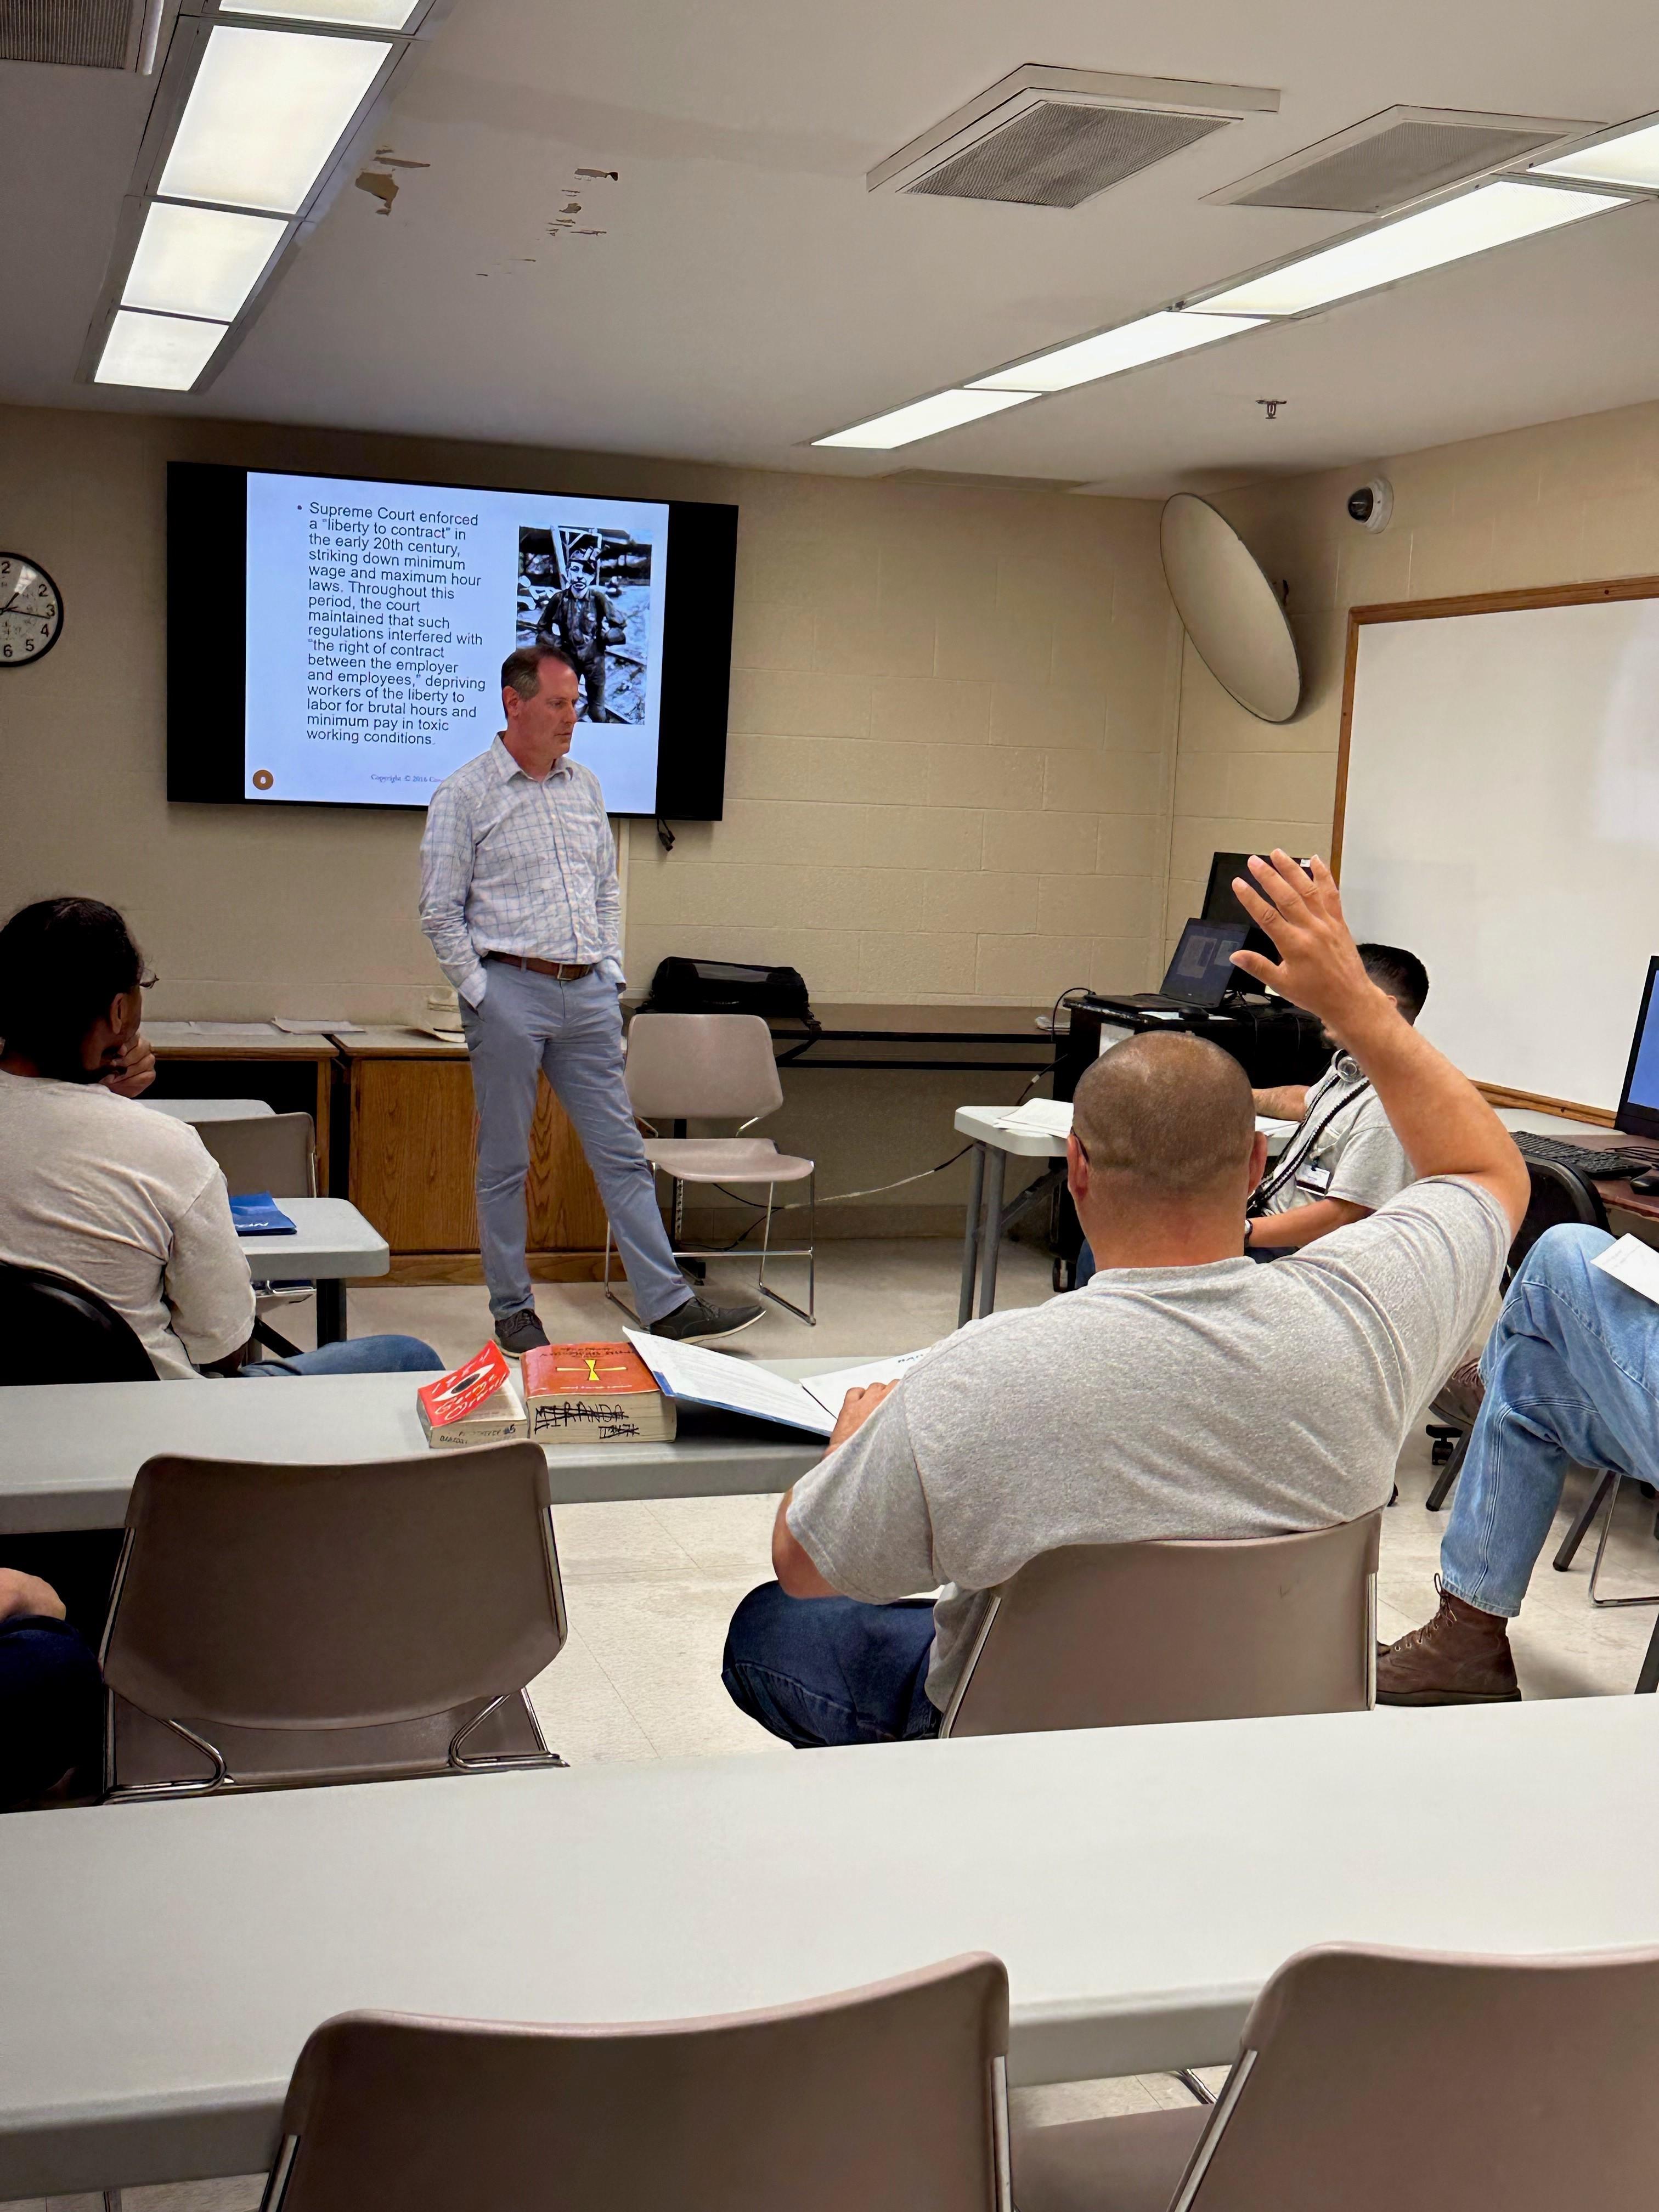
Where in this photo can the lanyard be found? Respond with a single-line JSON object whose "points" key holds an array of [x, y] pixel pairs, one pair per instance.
{"points": [[1299, 1149]]}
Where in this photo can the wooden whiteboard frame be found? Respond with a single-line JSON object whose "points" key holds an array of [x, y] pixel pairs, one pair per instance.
{"points": [[1473, 603]]}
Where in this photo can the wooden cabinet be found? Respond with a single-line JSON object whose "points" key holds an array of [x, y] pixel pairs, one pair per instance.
{"points": [[411, 1157]]}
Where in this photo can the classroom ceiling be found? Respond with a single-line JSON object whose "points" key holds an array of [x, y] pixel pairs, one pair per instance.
{"points": [[748, 293]]}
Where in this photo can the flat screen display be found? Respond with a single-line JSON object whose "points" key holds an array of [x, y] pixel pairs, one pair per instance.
{"points": [[1202, 971], [1639, 1106], [372, 616]]}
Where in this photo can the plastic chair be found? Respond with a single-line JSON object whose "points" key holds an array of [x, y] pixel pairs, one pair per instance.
{"points": [[274, 1625], [1113, 1635], [274, 1153], [716, 1067], [1376, 2081], [53, 1330], [1558, 1194], [890, 2099]]}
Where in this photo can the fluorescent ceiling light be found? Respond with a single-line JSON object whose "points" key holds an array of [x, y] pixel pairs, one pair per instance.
{"points": [[266, 111], [200, 261], [1496, 214], [361, 14], [1631, 160], [164, 352], [1153, 338], [923, 418]]}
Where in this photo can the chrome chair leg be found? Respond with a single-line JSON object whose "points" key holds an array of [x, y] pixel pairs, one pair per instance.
{"points": [[1648, 1597], [809, 1314], [1581, 1527]]}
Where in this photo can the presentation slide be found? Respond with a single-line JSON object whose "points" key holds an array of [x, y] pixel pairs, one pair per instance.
{"points": [[379, 616]]}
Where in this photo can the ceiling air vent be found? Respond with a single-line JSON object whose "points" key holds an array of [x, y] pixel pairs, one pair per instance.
{"points": [[1402, 155], [1046, 136], [112, 34]]}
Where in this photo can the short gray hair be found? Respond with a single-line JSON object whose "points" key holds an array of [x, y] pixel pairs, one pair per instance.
{"points": [[521, 672]]}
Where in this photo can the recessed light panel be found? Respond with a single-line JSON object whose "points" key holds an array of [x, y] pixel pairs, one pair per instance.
{"points": [[1109, 352], [165, 353], [1496, 214], [266, 111], [1631, 160], [360, 15], [923, 418], [200, 261]]}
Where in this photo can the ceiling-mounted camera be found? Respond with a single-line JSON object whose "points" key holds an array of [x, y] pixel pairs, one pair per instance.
{"points": [[1372, 504]]}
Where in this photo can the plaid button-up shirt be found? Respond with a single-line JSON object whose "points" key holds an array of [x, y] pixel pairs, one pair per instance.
{"points": [[509, 865]]}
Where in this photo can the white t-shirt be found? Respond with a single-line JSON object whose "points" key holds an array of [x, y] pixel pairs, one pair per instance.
{"points": [[1344, 1147], [1227, 1400], [131, 1203]]}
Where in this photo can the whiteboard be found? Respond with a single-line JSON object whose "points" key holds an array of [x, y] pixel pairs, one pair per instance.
{"points": [[1502, 820]]}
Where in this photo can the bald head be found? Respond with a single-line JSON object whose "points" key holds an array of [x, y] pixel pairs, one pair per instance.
{"points": [[1165, 1118]]}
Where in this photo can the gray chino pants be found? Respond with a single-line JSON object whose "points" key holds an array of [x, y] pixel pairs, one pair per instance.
{"points": [[528, 1023]]}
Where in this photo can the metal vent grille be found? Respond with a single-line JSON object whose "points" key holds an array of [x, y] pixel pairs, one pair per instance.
{"points": [[76, 33], [1058, 153], [1395, 158]]}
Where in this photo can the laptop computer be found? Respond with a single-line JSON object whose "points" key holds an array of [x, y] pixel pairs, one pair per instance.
{"points": [[1202, 972]]}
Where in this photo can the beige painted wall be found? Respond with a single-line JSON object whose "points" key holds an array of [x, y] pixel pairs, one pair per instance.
{"points": [[952, 724], [1562, 503]]}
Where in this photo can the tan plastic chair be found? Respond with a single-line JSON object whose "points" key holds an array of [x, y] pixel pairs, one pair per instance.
{"points": [[1109, 1635], [276, 1153], [716, 1067], [889, 2098], [274, 1625], [1372, 2080]]}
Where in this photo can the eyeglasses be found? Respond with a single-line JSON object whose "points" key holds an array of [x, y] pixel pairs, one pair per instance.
{"points": [[147, 981]]}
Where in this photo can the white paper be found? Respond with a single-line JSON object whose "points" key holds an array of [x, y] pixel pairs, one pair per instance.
{"points": [[1267, 1127], [323, 1026], [1634, 1264], [714, 1378], [1041, 1117], [830, 1389]]}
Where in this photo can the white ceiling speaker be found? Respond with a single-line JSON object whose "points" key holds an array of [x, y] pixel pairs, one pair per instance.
{"points": [[108, 34], [1230, 612], [1389, 160], [1044, 136]]}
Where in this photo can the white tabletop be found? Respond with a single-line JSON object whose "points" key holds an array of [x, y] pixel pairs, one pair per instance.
{"points": [[69, 1450], [984, 1125], [211, 1110], [164, 1963], [333, 1240]]}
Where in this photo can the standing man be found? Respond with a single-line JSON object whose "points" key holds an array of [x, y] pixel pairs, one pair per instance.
{"points": [[518, 896]]}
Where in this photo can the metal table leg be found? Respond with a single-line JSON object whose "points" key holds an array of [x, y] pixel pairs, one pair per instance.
{"points": [[992, 1246], [970, 1237], [331, 1312]]}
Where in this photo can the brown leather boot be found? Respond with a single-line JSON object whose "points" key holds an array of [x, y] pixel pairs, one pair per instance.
{"points": [[1461, 1658]]}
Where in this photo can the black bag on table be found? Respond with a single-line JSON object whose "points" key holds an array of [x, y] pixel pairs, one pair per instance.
{"points": [[728, 987]]}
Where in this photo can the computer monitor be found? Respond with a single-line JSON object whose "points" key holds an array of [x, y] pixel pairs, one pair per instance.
{"points": [[1221, 905], [1638, 1102], [1202, 971]]}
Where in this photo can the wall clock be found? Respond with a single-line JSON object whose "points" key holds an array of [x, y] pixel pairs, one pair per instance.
{"points": [[31, 611]]}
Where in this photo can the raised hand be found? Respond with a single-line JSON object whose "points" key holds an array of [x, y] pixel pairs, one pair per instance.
{"points": [[1318, 965]]}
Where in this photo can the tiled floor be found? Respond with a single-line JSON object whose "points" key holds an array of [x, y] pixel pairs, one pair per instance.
{"points": [[650, 1587]]}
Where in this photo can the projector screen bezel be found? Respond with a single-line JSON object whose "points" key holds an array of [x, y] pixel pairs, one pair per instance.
{"points": [[207, 644]]}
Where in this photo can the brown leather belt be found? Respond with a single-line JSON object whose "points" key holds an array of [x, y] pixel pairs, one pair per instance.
{"points": [[562, 972]]}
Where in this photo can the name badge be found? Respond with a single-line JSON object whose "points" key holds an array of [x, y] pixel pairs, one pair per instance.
{"points": [[1314, 1178]]}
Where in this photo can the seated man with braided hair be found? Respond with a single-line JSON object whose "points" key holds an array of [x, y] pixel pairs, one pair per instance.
{"points": [[127, 1202], [1184, 1393]]}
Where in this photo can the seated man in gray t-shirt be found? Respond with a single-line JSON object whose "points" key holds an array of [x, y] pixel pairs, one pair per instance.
{"points": [[1184, 1393]]}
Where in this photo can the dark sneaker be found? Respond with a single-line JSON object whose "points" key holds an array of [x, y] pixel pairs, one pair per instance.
{"points": [[520, 1332], [1461, 1658], [699, 1322]]}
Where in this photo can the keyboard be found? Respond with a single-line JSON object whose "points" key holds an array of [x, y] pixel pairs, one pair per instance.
{"points": [[1608, 1166]]}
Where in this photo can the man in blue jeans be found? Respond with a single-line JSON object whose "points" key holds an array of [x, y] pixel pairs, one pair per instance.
{"points": [[1185, 1393], [1571, 1374], [52, 1699]]}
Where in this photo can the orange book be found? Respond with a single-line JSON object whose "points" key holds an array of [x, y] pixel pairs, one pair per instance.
{"points": [[583, 1394], [474, 1404]]}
